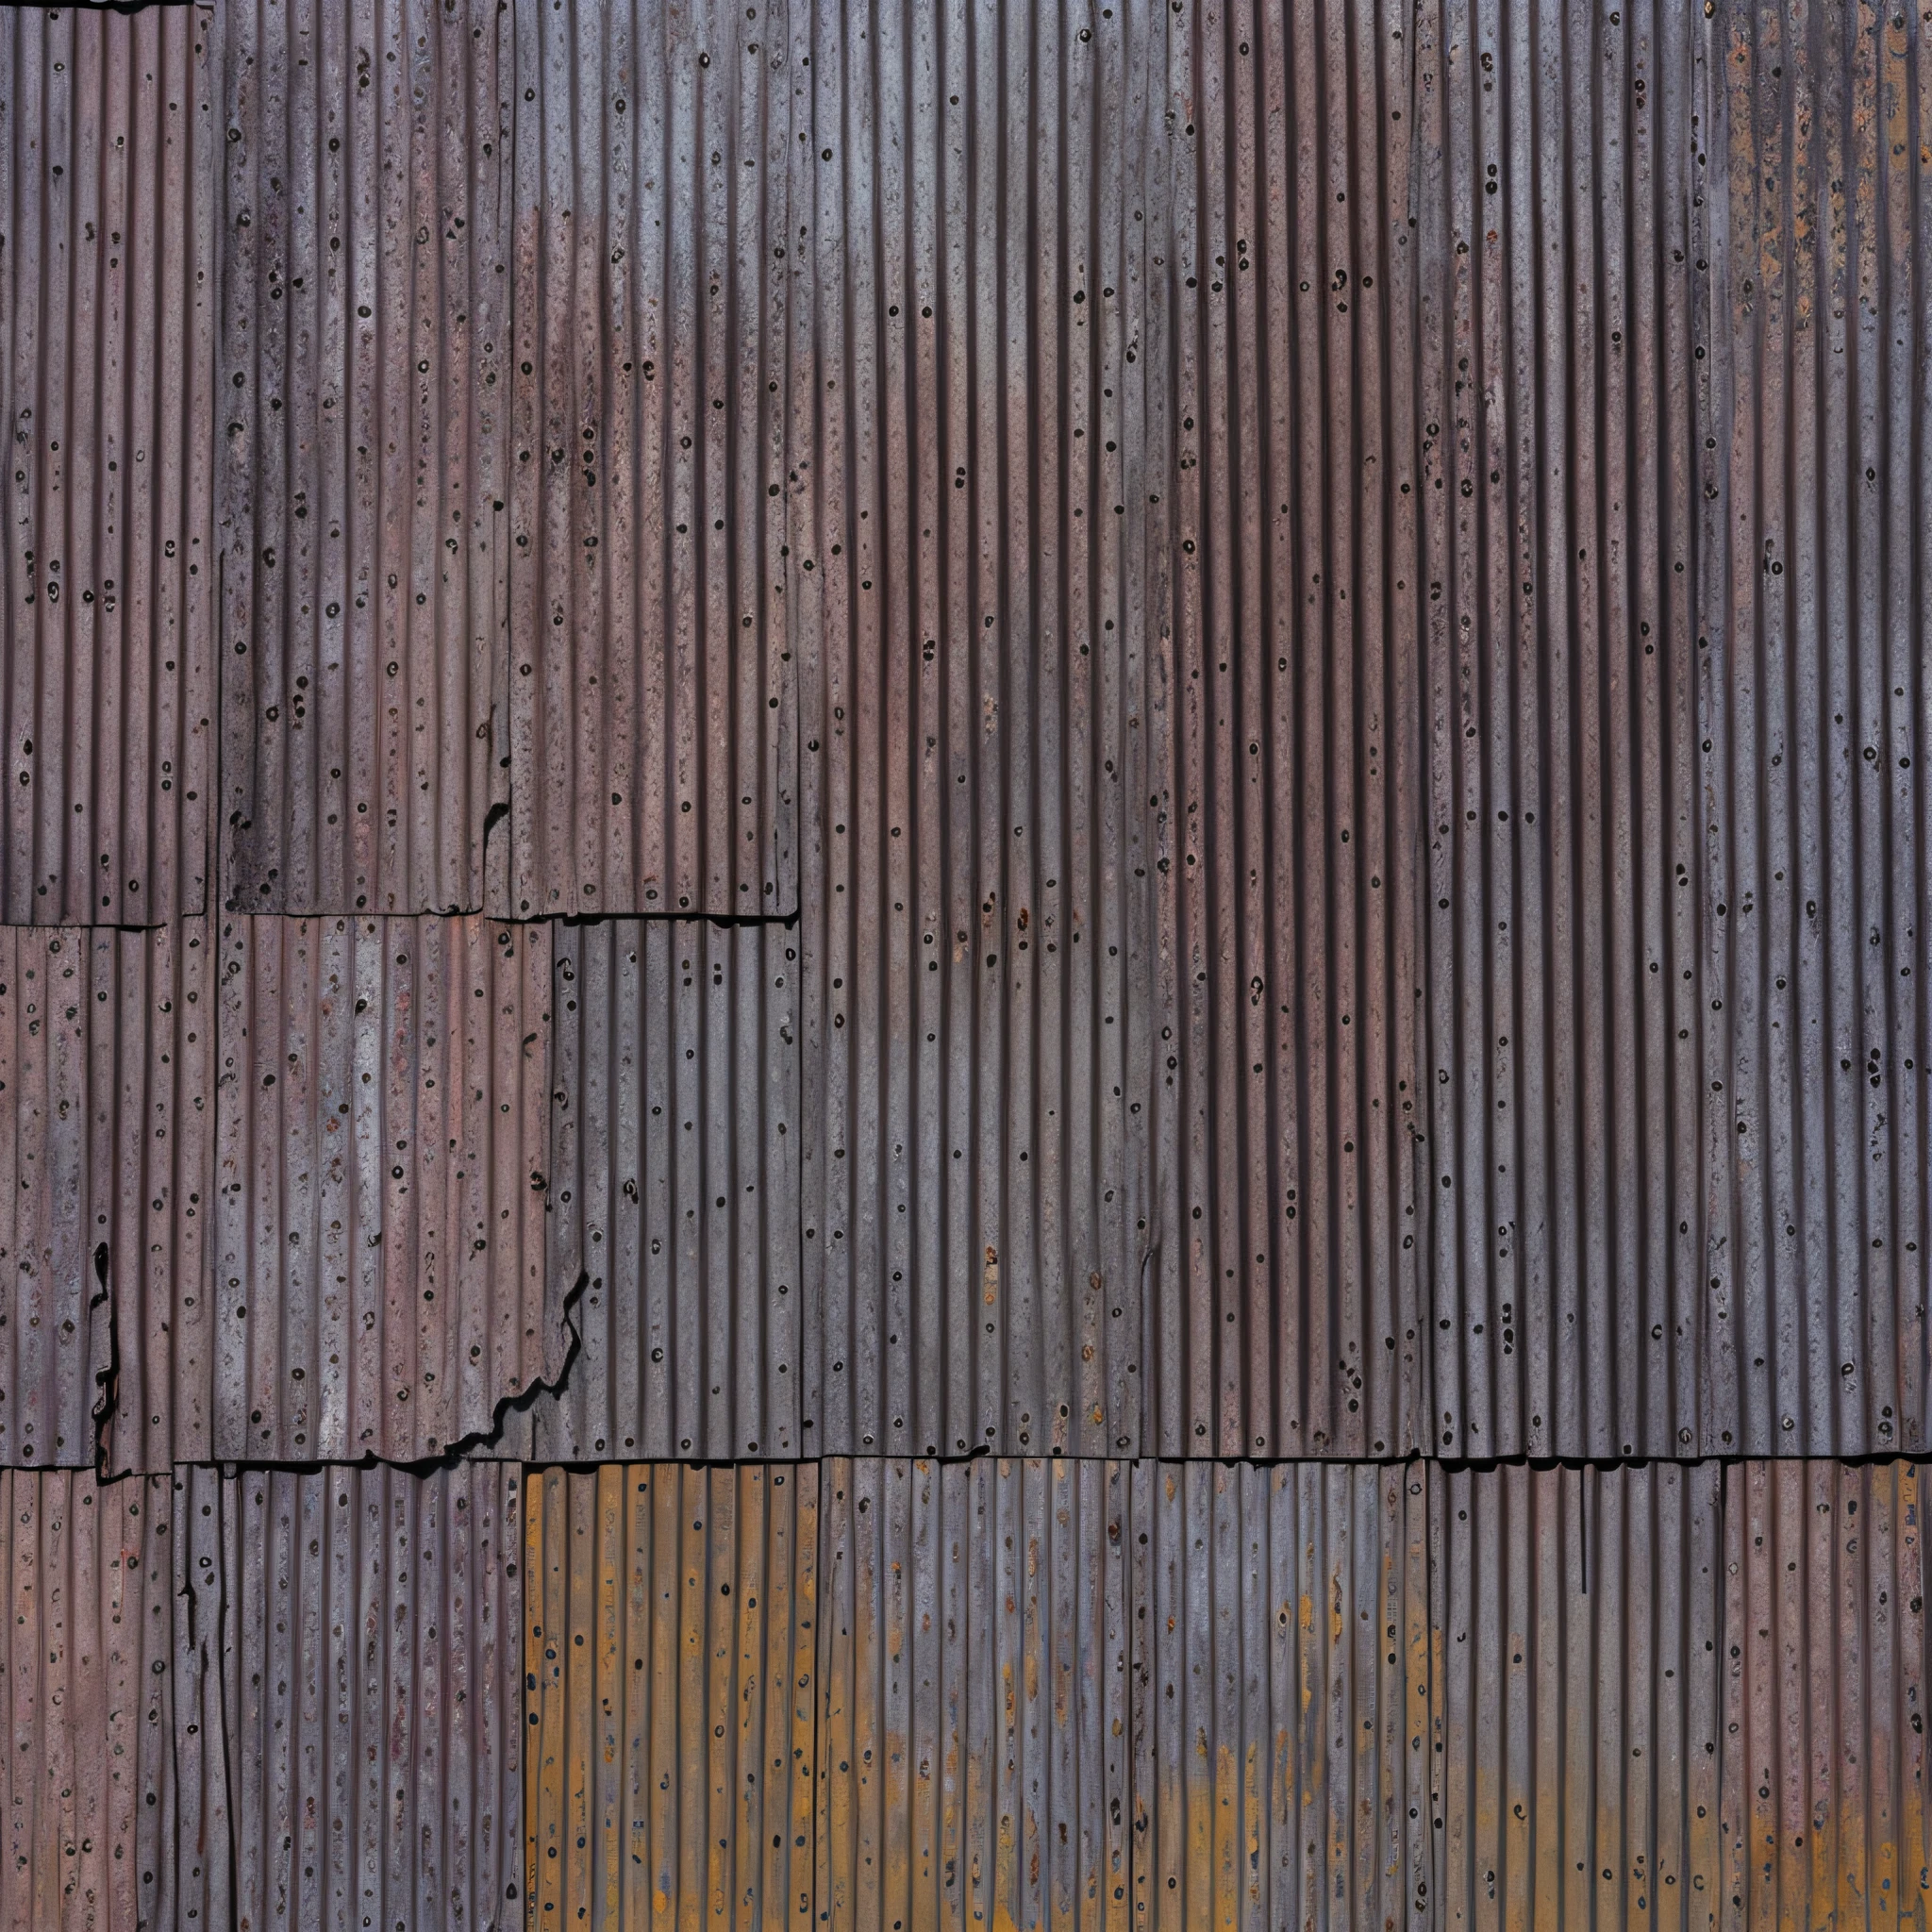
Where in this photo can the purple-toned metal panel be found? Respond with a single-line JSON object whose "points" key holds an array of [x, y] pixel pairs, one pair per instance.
{"points": [[975, 1636], [977, 579], [668, 1646], [1581, 1763], [674, 1193], [106, 375], [652, 688], [1292, 1284], [364, 358], [1828, 1812], [106, 1143], [371, 1707], [1813, 865], [382, 1115], [112, 1789], [1280, 1621]]}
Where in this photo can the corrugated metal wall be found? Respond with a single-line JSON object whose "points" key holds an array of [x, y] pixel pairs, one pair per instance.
{"points": [[108, 577], [1126, 800], [366, 239]]}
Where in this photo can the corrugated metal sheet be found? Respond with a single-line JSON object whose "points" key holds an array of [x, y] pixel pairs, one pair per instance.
{"points": [[652, 636], [1814, 708], [382, 1117], [669, 1652], [978, 301], [108, 1824], [1556, 168], [1579, 1749], [1827, 1813], [1282, 1695], [370, 1661], [975, 1754], [107, 367], [673, 1184], [106, 1137], [365, 223], [1293, 1272]]}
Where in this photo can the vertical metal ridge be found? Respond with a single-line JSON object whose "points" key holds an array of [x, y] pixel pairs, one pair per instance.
{"points": [[382, 1126], [101, 1789], [1293, 1278], [669, 1656], [107, 1139], [975, 638], [107, 336], [1815, 708], [673, 1193], [370, 1650], [652, 701], [366, 225], [976, 1669]]}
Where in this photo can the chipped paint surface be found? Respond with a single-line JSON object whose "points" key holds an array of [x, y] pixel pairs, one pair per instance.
{"points": [[108, 257], [669, 1655], [381, 1124]]}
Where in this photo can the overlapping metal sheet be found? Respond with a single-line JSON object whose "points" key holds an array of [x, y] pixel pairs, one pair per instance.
{"points": [[1580, 1758], [1283, 1682], [364, 354], [107, 1140], [980, 302], [112, 1785], [1827, 1813], [382, 1115], [108, 262], [1289, 1138], [1814, 712], [670, 1670], [652, 691], [673, 1192], [369, 1666], [975, 1657]]}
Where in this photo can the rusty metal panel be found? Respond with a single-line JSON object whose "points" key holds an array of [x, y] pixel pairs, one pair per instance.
{"points": [[1292, 1285], [669, 1656], [382, 1115], [370, 1693], [106, 1137], [978, 576], [1282, 1694], [674, 1236], [1578, 1739], [366, 236], [974, 1760], [113, 1786], [1814, 708], [1827, 1814], [652, 693], [1554, 175], [106, 374]]}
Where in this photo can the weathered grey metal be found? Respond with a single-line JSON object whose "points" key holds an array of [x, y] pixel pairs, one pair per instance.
{"points": [[1282, 1686], [107, 258], [112, 1786], [106, 1143], [652, 693], [370, 1624], [364, 353], [978, 304], [669, 1655], [382, 1129], [673, 1232], [1279, 390], [976, 1740], [1581, 1767]]}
